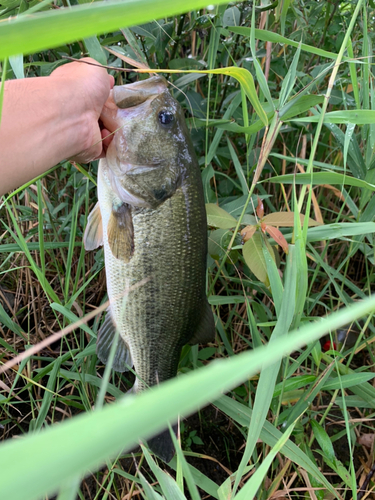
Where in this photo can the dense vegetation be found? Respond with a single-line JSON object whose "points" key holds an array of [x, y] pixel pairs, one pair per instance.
{"points": [[283, 126]]}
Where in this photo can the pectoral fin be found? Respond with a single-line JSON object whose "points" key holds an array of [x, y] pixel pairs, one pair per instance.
{"points": [[206, 328], [121, 233], [93, 237], [104, 343]]}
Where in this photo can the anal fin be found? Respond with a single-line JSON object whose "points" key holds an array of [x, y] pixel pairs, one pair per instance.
{"points": [[121, 233], [104, 343], [205, 331], [93, 237]]}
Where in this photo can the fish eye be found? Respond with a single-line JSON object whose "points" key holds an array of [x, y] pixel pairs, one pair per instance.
{"points": [[166, 117]]}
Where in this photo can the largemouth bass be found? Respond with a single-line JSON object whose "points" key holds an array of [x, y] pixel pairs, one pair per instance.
{"points": [[151, 219]]}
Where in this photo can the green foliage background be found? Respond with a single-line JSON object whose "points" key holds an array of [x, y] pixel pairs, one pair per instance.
{"points": [[279, 98]]}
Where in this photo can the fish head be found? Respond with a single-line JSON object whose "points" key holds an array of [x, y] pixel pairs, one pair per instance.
{"points": [[151, 150]]}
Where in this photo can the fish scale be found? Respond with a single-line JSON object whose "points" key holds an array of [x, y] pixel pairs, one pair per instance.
{"points": [[151, 219], [169, 300]]}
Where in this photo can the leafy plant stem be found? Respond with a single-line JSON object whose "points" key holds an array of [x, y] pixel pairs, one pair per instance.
{"points": [[224, 259], [265, 151], [319, 127]]}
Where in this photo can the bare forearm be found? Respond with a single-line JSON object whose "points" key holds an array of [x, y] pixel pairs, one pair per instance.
{"points": [[34, 137], [47, 119]]}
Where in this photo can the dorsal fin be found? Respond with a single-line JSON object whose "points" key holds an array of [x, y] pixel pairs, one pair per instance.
{"points": [[93, 237], [121, 233]]}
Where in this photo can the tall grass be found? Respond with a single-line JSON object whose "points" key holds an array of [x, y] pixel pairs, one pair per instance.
{"points": [[280, 103]]}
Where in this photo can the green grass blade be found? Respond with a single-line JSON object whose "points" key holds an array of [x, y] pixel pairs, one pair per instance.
{"points": [[46, 30], [168, 486], [48, 395], [84, 442], [95, 49], [356, 116], [318, 178], [202, 481], [69, 490], [252, 486], [238, 167], [269, 36], [339, 230], [270, 435], [267, 379]]}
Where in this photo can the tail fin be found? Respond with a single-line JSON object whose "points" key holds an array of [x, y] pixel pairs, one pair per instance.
{"points": [[162, 445]]}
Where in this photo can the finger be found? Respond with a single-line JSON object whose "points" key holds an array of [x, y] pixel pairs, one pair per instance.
{"points": [[107, 137], [108, 115]]}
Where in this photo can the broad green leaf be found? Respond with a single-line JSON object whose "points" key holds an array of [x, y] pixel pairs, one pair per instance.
{"points": [[45, 30], [285, 219], [274, 278], [248, 232], [218, 241], [95, 50], [218, 217], [254, 258], [231, 17]]}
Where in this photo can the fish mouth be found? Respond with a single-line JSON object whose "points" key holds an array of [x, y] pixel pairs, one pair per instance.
{"points": [[143, 169], [134, 94]]}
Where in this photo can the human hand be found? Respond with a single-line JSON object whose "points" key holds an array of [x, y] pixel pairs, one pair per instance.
{"points": [[90, 87]]}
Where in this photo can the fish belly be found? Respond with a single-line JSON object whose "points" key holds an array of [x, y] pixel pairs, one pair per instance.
{"points": [[157, 299]]}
